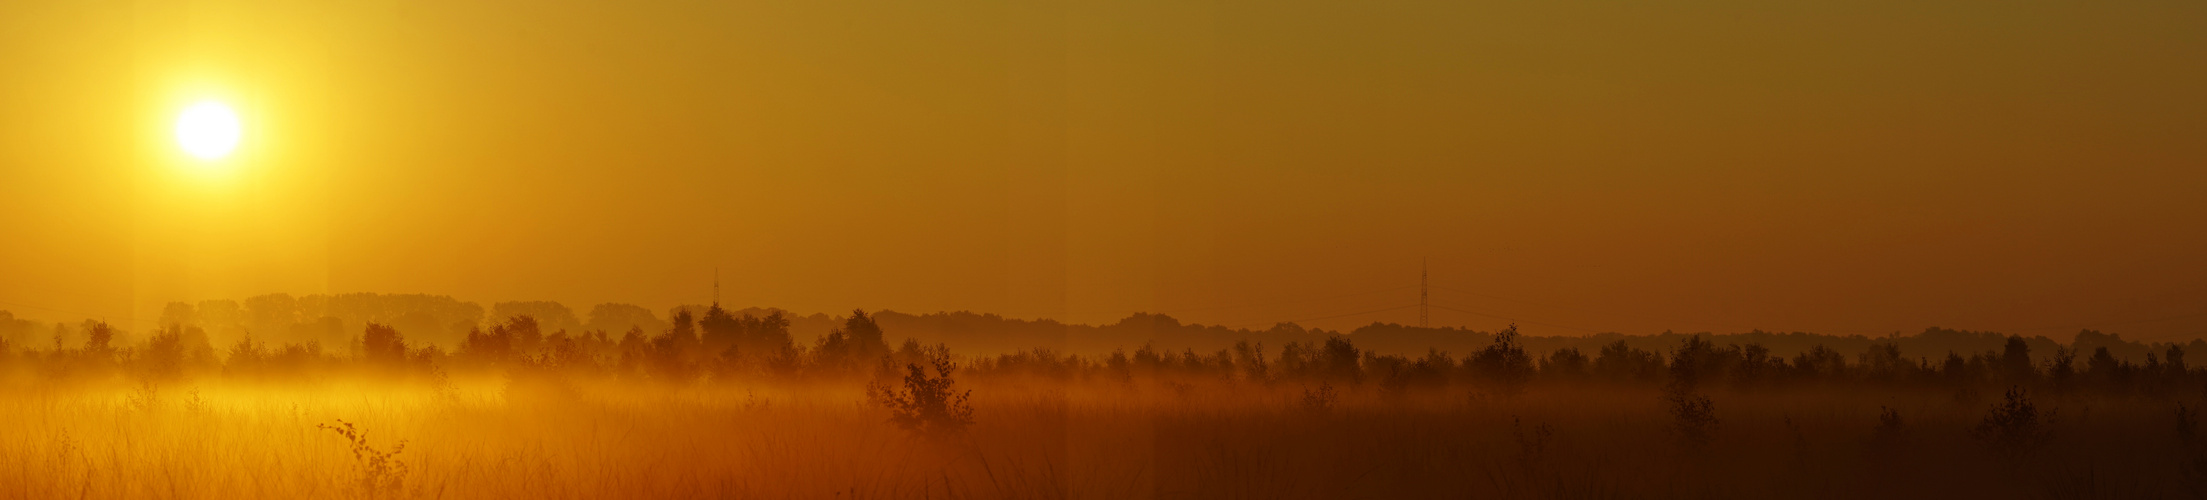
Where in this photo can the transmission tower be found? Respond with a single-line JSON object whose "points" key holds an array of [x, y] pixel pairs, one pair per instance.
{"points": [[1422, 278], [716, 287]]}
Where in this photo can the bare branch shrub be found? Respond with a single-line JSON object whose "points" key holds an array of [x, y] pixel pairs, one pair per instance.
{"points": [[926, 404], [382, 475], [2014, 428]]}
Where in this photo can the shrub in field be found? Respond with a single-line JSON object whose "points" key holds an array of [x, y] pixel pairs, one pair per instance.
{"points": [[1889, 432], [2014, 428], [1532, 444], [2193, 467], [146, 397], [1320, 400], [1693, 416], [1889, 424], [381, 473], [926, 404]]}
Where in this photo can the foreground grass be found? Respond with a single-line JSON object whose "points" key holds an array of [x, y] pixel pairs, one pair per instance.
{"points": [[1151, 439]]}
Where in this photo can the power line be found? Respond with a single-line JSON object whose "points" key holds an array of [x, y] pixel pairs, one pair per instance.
{"points": [[1516, 320], [1609, 313], [1406, 306], [1366, 292], [1215, 308], [2105, 325], [129, 319]]}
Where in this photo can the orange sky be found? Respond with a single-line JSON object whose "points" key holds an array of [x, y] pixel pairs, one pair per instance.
{"points": [[1830, 166]]}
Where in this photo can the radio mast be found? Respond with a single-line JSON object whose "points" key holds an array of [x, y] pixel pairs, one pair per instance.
{"points": [[1422, 278]]}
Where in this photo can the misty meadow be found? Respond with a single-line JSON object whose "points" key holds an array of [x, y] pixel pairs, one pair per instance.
{"points": [[704, 402], [1124, 249]]}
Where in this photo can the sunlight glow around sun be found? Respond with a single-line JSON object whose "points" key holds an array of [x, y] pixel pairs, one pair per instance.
{"points": [[207, 130]]}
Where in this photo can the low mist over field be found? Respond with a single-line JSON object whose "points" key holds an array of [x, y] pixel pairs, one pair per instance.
{"points": [[726, 403], [1134, 249]]}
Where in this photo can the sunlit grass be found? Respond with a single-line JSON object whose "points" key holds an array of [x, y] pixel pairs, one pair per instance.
{"points": [[1147, 439]]}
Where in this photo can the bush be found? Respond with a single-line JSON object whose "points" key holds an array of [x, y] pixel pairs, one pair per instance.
{"points": [[1320, 400], [1504, 363], [1693, 416], [1890, 430], [381, 474], [926, 404], [2014, 428]]}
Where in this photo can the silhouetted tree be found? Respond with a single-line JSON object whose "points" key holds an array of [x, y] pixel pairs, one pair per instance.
{"points": [[1755, 366], [1118, 366], [1338, 360], [1297, 359], [722, 331], [767, 338], [527, 334], [674, 353], [636, 351], [1504, 363], [2106, 371], [1147, 359], [1564, 364], [2015, 361], [1883, 363], [1620, 362], [1250, 359], [97, 336], [246, 357], [858, 340], [383, 345], [1695, 360], [174, 349], [2061, 368], [1821, 363], [865, 335]]}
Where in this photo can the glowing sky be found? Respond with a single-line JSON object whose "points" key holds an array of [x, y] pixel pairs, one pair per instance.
{"points": [[1830, 166]]}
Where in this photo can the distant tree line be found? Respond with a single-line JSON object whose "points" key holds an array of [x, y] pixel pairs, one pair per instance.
{"points": [[336, 320], [1506, 365], [722, 345]]}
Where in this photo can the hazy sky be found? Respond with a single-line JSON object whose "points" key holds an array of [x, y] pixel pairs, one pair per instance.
{"points": [[1853, 167]]}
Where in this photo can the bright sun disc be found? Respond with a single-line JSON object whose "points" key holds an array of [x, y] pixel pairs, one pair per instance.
{"points": [[208, 130]]}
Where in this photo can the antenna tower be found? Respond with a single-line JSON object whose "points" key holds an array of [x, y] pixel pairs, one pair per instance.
{"points": [[716, 287], [1422, 318]]}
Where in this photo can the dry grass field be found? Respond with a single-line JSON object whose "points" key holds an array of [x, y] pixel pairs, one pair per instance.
{"points": [[491, 437]]}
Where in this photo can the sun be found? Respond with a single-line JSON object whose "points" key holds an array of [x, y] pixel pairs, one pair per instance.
{"points": [[208, 130]]}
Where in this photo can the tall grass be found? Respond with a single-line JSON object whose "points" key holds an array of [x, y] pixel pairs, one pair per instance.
{"points": [[1073, 439], [521, 415]]}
